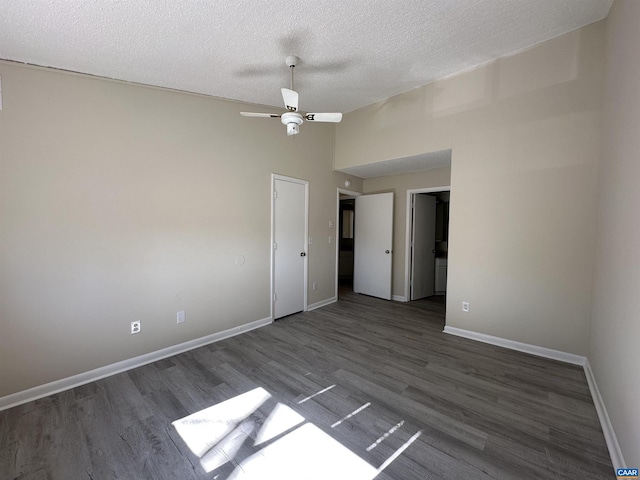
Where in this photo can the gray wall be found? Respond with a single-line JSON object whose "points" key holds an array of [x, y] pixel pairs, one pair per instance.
{"points": [[120, 202], [524, 133], [615, 327]]}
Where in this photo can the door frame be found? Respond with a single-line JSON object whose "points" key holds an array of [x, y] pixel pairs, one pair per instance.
{"points": [[409, 226], [274, 177], [352, 193]]}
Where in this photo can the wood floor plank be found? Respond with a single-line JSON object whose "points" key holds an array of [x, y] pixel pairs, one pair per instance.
{"points": [[379, 377], [413, 409]]}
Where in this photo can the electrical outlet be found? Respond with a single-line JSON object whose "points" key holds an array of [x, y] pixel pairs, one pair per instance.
{"points": [[315, 286], [181, 316], [465, 306], [136, 327]]}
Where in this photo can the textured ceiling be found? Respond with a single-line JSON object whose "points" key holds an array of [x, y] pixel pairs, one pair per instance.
{"points": [[398, 166], [353, 52]]}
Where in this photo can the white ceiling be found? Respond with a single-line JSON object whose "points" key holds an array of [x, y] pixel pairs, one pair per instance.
{"points": [[398, 166], [353, 52]]}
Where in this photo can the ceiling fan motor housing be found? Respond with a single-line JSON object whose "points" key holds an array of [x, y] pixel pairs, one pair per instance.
{"points": [[292, 120]]}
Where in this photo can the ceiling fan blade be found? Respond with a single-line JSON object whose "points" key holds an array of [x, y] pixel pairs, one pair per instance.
{"points": [[290, 98], [261, 115], [323, 117]]}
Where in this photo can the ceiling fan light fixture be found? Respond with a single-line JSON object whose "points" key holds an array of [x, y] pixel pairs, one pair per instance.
{"points": [[292, 129]]}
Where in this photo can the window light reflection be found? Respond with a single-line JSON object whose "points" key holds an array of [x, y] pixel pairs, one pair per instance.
{"points": [[291, 447], [281, 419], [384, 437], [306, 453], [355, 412], [320, 392], [202, 430]]}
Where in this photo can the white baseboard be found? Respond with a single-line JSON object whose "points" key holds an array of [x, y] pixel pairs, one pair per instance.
{"points": [[61, 385], [519, 346], [399, 298], [322, 303], [607, 429]]}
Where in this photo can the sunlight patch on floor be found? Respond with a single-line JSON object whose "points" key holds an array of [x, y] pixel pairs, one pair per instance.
{"points": [[306, 453], [385, 436], [320, 392], [202, 430], [281, 419], [292, 448], [355, 412]]}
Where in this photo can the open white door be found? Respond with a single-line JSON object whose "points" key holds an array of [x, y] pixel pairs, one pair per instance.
{"points": [[423, 242], [289, 246], [373, 240]]}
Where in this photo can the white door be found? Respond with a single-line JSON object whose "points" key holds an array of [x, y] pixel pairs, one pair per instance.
{"points": [[289, 246], [423, 241], [373, 240]]}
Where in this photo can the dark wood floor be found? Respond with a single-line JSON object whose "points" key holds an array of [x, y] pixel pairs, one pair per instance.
{"points": [[379, 377]]}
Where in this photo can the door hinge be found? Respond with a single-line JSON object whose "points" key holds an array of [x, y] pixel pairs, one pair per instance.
{"points": [[275, 246], [275, 297]]}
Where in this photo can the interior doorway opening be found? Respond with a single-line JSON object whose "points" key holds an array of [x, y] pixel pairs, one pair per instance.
{"points": [[427, 254], [346, 229], [345, 221]]}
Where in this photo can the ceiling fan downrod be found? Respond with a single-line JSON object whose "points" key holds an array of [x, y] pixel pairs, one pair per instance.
{"points": [[291, 62]]}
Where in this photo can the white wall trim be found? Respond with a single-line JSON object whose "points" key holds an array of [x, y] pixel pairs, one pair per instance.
{"points": [[519, 346], [607, 428], [398, 298], [61, 385], [322, 303]]}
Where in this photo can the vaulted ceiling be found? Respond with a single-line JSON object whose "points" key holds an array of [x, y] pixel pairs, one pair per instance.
{"points": [[353, 53]]}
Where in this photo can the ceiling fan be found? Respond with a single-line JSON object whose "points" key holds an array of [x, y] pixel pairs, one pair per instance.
{"points": [[292, 118]]}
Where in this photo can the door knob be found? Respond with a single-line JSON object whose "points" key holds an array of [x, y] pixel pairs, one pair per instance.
{"points": [[303, 254], [387, 252]]}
